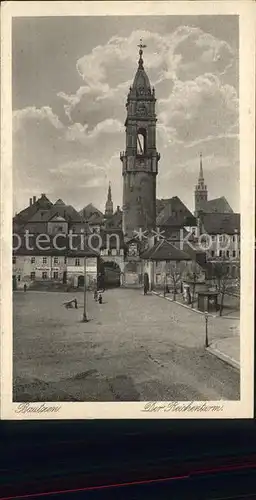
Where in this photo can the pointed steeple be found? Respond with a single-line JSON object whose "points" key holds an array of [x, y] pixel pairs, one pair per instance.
{"points": [[109, 192], [109, 203], [141, 80], [201, 193], [201, 174]]}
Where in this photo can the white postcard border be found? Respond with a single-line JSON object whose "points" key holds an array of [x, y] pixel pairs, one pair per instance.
{"points": [[135, 410]]}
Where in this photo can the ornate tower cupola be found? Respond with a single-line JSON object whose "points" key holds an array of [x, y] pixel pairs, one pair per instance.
{"points": [[109, 203], [201, 193], [140, 159]]}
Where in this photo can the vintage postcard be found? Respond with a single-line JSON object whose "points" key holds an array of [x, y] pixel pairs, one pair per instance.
{"points": [[127, 210]]}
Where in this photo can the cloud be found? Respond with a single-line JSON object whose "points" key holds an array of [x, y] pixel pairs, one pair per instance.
{"points": [[187, 51], [51, 157], [34, 115], [107, 71], [199, 108], [201, 52], [71, 151]]}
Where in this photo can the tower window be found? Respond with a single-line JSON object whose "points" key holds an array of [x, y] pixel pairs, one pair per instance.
{"points": [[141, 141]]}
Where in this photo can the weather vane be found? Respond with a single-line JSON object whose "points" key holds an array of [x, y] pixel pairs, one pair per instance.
{"points": [[141, 45]]}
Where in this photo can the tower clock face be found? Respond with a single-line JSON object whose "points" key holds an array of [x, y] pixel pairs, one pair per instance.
{"points": [[142, 109], [142, 164]]}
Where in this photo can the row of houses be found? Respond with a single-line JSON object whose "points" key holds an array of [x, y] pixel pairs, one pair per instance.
{"points": [[50, 242]]}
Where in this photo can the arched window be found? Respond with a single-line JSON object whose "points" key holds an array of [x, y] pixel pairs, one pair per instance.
{"points": [[141, 141]]}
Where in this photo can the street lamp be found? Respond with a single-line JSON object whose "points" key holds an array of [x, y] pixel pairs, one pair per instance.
{"points": [[206, 328], [85, 319]]}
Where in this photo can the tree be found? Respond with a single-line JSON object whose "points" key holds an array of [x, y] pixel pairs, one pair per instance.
{"points": [[193, 275], [221, 275], [175, 270]]}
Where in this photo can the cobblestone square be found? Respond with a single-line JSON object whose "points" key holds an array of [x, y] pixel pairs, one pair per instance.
{"points": [[134, 348]]}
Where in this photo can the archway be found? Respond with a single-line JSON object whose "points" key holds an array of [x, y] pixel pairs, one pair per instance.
{"points": [[80, 282], [109, 274]]}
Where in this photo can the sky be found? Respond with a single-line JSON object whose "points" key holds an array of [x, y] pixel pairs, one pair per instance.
{"points": [[71, 77]]}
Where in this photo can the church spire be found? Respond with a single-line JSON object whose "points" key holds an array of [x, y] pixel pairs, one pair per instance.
{"points": [[201, 193], [201, 174], [109, 192], [109, 203]]}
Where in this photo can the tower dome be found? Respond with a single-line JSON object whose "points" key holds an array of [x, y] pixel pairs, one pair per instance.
{"points": [[141, 82]]}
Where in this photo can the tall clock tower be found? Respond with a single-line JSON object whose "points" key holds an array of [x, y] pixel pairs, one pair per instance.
{"points": [[140, 159]]}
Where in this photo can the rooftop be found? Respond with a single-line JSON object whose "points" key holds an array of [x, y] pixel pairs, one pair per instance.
{"points": [[164, 250]]}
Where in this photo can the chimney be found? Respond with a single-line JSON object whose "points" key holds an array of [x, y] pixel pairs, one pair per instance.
{"points": [[34, 199], [30, 202]]}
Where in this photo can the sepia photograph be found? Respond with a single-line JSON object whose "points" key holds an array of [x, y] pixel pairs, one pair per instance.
{"points": [[127, 214]]}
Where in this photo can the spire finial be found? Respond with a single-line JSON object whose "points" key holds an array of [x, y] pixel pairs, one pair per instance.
{"points": [[109, 192], [201, 175], [141, 47]]}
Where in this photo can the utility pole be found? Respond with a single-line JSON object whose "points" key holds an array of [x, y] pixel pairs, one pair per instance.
{"points": [[85, 319], [206, 329]]}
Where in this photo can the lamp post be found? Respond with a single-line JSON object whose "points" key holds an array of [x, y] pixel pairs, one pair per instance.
{"points": [[206, 329], [85, 319]]}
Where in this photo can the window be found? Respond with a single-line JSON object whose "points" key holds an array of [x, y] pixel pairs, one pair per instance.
{"points": [[14, 260], [55, 275], [213, 237], [65, 260], [141, 141], [220, 253], [44, 275], [18, 277], [114, 252], [32, 275], [32, 260], [109, 252], [77, 262], [44, 260], [227, 253], [234, 253], [212, 253], [56, 260]]}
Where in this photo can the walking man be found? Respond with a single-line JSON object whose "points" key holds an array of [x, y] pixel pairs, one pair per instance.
{"points": [[146, 284]]}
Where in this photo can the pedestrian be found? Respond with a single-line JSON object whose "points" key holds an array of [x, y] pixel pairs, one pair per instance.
{"points": [[100, 298], [25, 287], [95, 295], [145, 288], [75, 302]]}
